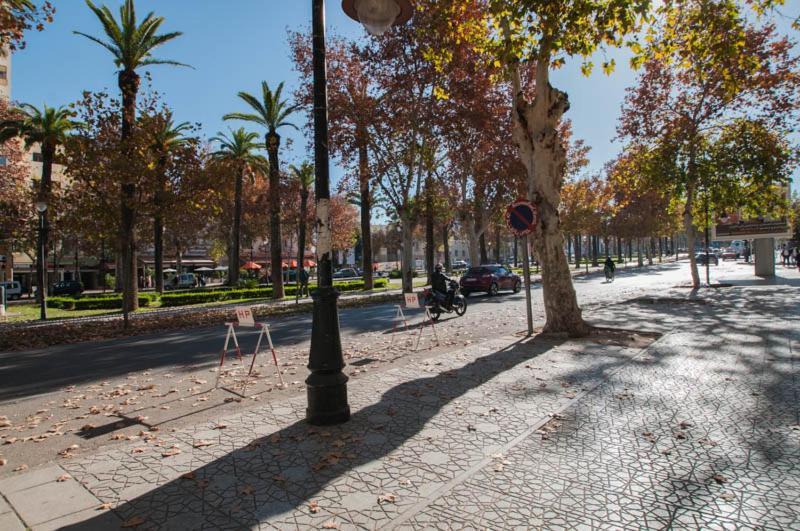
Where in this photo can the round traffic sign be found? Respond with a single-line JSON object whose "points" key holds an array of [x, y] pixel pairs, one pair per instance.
{"points": [[522, 217]]}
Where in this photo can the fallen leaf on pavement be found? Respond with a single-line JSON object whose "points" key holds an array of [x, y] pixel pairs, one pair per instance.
{"points": [[202, 443], [247, 490], [330, 525], [3, 461], [104, 506], [189, 475], [63, 477], [220, 427], [171, 452], [719, 478], [386, 498], [20, 468], [727, 496], [134, 521], [313, 507]]}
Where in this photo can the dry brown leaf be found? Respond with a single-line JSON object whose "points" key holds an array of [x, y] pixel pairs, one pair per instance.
{"points": [[63, 477], [3, 461], [171, 452], [21, 468], [104, 506], [386, 498], [719, 478], [330, 525], [202, 443], [134, 521], [728, 496], [247, 490], [313, 507], [189, 475]]}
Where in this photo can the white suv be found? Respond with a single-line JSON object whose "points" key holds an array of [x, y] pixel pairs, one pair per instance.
{"points": [[13, 290]]}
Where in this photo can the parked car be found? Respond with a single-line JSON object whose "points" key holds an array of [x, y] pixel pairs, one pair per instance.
{"points": [[489, 279], [13, 290], [66, 287], [346, 273], [730, 254], [460, 264], [182, 281], [701, 258]]}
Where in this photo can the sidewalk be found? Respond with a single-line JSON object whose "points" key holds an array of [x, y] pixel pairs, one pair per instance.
{"points": [[700, 429]]}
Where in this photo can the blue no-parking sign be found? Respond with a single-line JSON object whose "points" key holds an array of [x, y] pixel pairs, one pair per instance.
{"points": [[522, 217]]}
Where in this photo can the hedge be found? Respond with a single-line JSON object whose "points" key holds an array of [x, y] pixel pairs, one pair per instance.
{"points": [[187, 298], [92, 303], [184, 298]]}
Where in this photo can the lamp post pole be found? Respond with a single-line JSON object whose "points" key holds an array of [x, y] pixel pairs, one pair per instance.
{"points": [[327, 384]]}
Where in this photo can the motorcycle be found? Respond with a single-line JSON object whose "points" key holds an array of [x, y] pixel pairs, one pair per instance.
{"points": [[459, 306]]}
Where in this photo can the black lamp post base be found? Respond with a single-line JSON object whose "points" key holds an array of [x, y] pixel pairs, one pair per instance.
{"points": [[327, 399], [327, 384]]}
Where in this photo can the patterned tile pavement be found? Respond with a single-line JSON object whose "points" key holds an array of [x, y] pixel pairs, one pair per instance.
{"points": [[700, 430]]}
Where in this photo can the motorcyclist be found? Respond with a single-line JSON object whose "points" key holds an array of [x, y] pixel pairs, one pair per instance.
{"points": [[440, 283], [609, 267]]}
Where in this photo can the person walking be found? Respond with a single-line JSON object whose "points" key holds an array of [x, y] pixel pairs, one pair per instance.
{"points": [[304, 291]]}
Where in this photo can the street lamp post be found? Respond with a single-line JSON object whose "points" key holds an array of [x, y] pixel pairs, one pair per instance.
{"points": [[41, 208], [327, 384]]}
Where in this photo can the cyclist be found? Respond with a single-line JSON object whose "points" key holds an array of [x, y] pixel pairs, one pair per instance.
{"points": [[609, 268]]}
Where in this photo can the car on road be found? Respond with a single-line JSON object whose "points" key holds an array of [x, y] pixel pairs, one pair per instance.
{"points": [[460, 264], [489, 279], [182, 281], [700, 258], [67, 287], [13, 290], [729, 254], [346, 273]]}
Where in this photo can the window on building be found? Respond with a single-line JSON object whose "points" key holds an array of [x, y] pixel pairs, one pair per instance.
{"points": [[37, 157]]}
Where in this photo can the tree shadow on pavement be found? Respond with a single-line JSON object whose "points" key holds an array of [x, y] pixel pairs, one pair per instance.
{"points": [[275, 473]]}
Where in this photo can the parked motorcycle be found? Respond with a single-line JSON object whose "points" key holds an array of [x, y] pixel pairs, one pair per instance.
{"points": [[459, 306]]}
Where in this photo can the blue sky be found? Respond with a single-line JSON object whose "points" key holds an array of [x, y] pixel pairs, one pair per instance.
{"points": [[235, 49]]}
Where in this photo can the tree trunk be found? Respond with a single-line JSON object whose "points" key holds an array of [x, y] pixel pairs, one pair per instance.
{"points": [[569, 247], [472, 243], [630, 249], [688, 225], [446, 244], [595, 250], [578, 251], [406, 264], [650, 251], [158, 250], [482, 243], [45, 188], [275, 247], [129, 86], [429, 239], [236, 230], [118, 283], [497, 246], [367, 260], [544, 157], [301, 239], [620, 258]]}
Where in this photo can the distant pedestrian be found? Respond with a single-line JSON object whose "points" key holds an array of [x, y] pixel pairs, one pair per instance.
{"points": [[785, 255], [304, 292]]}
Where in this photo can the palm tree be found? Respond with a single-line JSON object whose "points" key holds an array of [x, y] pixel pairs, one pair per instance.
{"points": [[48, 127], [132, 44], [167, 137], [238, 150], [305, 177], [270, 112]]}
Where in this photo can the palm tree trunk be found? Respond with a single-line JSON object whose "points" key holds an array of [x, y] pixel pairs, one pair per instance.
{"points": [[236, 230], [158, 229], [129, 86], [48, 154], [275, 247], [366, 215]]}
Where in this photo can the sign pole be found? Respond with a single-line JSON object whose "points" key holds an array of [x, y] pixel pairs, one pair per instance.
{"points": [[526, 272]]}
